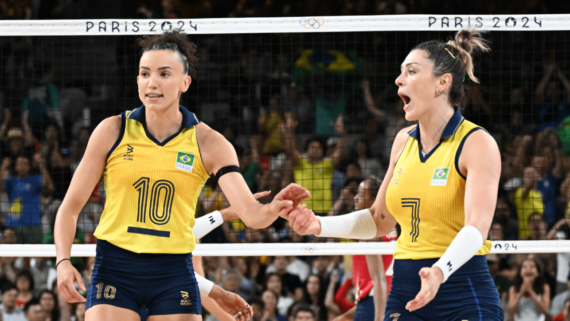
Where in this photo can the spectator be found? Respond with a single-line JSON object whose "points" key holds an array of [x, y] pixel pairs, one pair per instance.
{"points": [[509, 224], [257, 306], [362, 154], [529, 296], [345, 203], [40, 273], [496, 233], [15, 141], [537, 227], [321, 265], [554, 107], [560, 301], [549, 164], [501, 282], [33, 311], [79, 313], [290, 281], [313, 171], [10, 311], [561, 231], [303, 313], [51, 139], [527, 201], [300, 107], [249, 162], [25, 284], [61, 172], [314, 295], [49, 304], [247, 285], [24, 192], [16, 9], [269, 124], [231, 281], [41, 103], [270, 312], [274, 283]]}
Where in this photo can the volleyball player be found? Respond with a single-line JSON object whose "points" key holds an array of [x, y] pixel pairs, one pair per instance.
{"points": [[155, 160], [441, 187]]}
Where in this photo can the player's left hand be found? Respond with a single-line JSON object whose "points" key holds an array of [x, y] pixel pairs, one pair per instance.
{"points": [[230, 214], [295, 193], [431, 280], [235, 305]]}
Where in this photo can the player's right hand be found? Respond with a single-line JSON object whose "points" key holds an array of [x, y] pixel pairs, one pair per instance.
{"points": [[67, 275], [234, 305], [304, 221]]}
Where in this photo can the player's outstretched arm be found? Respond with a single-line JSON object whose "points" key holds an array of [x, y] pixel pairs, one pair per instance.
{"points": [[364, 224], [480, 162], [217, 153], [84, 180]]}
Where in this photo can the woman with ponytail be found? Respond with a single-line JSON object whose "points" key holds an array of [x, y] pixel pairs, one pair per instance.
{"points": [[441, 187]]}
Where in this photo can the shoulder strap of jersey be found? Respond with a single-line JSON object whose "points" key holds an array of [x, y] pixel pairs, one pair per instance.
{"points": [[121, 133]]}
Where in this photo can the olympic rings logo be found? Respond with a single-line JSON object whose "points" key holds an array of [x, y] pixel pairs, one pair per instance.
{"points": [[311, 23], [308, 248]]}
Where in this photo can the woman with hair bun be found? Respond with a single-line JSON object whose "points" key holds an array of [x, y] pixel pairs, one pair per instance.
{"points": [[155, 160], [441, 187]]}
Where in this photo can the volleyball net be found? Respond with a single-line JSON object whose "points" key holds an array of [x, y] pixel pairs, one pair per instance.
{"points": [[325, 82]]}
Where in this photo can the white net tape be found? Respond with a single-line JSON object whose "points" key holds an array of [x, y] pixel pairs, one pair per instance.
{"points": [[293, 249], [108, 27]]}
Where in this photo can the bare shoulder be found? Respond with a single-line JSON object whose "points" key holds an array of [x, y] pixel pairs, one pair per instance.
{"points": [[216, 150], [107, 131], [400, 141], [481, 143]]}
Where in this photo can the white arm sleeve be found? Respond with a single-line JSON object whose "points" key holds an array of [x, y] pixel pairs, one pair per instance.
{"points": [[358, 225], [204, 284], [464, 246], [207, 224]]}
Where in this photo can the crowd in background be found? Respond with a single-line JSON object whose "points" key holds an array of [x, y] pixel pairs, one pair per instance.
{"points": [[290, 120]]}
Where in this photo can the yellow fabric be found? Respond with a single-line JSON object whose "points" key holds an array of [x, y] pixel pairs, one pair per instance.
{"points": [[317, 179], [527, 206], [138, 163], [273, 142], [430, 215]]}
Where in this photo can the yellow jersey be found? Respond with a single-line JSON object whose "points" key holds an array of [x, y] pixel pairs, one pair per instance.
{"points": [[427, 192], [152, 187], [317, 178]]}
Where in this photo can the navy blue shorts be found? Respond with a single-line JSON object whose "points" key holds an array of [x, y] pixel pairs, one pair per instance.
{"points": [[364, 310], [469, 293], [163, 283]]}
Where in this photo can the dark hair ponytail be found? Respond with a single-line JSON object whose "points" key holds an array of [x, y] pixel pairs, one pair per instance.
{"points": [[454, 57]]}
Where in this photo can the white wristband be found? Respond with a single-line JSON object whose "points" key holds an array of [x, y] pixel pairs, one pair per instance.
{"points": [[464, 246], [204, 284], [358, 225], [207, 224]]}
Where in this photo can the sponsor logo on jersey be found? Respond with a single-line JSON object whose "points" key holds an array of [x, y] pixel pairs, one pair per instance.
{"points": [[440, 176], [185, 300], [396, 180], [185, 161], [395, 316], [128, 155]]}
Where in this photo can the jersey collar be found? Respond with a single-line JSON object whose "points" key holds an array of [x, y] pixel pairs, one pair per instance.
{"points": [[189, 119], [449, 129]]}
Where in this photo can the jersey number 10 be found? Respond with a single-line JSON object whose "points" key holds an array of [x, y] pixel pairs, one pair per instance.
{"points": [[161, 190]]}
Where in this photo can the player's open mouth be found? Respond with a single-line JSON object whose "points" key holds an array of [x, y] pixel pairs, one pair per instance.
{"points": [[405, 98]]}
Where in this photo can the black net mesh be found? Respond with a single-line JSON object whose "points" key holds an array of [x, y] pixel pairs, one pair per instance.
{"points": [[55, 90]]}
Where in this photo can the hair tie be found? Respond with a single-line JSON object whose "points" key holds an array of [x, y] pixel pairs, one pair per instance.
{"points": [[463, 78], [450, 53]]}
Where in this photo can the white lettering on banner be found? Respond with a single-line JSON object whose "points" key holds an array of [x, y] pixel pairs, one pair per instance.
{"points": [[285, 25]]}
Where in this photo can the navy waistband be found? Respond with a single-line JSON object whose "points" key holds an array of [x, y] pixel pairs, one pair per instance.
{"points": [[108, 249], [409, 269]]}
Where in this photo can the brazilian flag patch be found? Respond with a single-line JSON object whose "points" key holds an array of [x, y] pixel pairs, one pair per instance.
{"points": [[439, 177], [185, 161]]}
